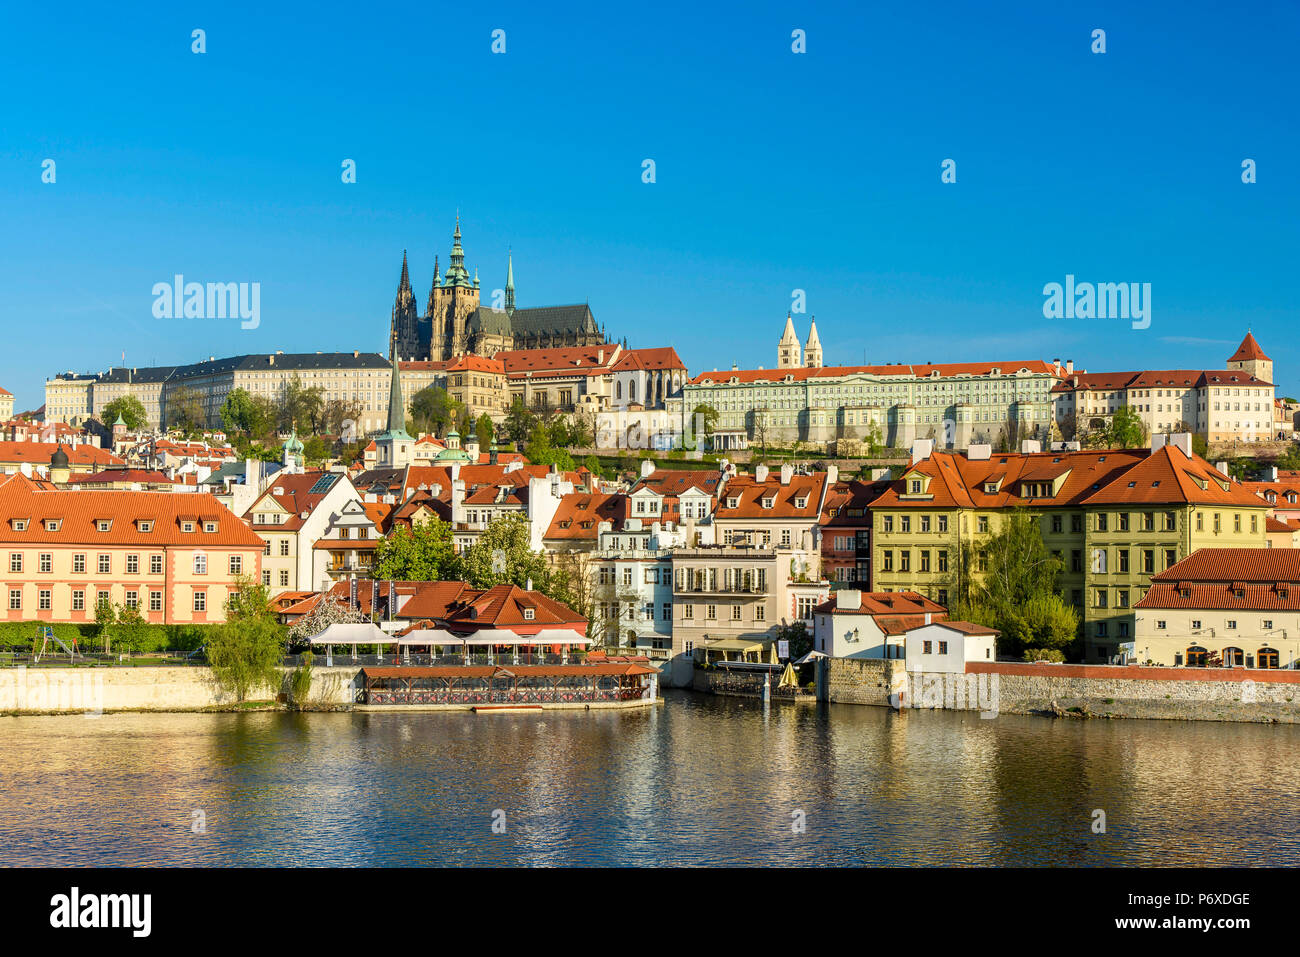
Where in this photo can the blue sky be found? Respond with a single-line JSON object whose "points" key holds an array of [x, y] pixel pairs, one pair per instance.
{"points": [[775, 172]]}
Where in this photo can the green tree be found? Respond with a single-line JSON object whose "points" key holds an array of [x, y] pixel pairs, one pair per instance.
{"points": [[300, 407], [504, 554], [797, 634], [1017, 591], [316, 450], [1126, 430], [421, 553], [519, 422], [433, 410], [541, 450], [245, 656], [105, 619], [131, 630], [484, 430], [185, 409], [130, 409], [704, 421], [337, 413], [250, 601]]}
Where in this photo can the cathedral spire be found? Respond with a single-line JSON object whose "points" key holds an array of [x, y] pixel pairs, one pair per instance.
{"points": [[456, 272], [396, 407], [510, 284]]}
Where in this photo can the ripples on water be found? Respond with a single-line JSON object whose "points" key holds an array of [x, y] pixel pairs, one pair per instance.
{"points": [[699, 781]]}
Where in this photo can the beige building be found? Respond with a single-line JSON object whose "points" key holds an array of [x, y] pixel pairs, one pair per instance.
{"points": [[476, 382], [1235, 607], [354, 377], [174, 557], [1236, 403], [291, 516], [726, 599]]}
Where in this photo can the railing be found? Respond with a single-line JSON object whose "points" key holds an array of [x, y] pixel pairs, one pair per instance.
{"points": [[504, 660], [25, 659]]}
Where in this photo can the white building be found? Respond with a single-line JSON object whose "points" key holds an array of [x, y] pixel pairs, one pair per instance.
{"points": [[855, 624], [948, 646]]}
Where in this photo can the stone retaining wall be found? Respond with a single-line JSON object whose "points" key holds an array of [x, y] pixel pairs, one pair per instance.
{"points": [[193, 688]]}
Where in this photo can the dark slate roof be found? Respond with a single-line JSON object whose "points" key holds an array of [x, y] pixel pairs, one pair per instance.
{"points": [[154, 374], [294, 361], [544, 320], [492, 322]]}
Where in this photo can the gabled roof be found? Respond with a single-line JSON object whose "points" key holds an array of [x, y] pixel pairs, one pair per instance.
{"points": [[39, 453], [504, 606], [649, 360], [1264, 565], [674, 482], [579, 515], [751, 494], [79, 509], [294, 495]]}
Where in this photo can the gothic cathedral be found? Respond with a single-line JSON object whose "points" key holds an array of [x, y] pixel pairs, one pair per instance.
{"points": [[455, 323]]}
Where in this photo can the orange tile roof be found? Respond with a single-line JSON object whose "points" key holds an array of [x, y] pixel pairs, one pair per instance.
{"points": [[1269, 565], [674, 482], [915, 370], [293, 494], [579, 515], [503, 606], [649, 359], [884, 603], [80, 509], [1249, 349], [38, 453], [750, 495], [435, 600]]}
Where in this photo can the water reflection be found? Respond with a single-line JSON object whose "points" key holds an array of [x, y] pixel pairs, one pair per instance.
{"points": [[701, 781]]}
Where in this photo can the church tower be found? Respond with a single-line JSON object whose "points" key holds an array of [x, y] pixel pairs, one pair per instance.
{"points": [[812, 352], [510, 284], [403, 334], [787, 352], [1250, 358], [451, 302]]}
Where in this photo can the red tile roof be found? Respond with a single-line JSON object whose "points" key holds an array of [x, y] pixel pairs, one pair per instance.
{"points": [[81, 509], [1036, 366], [1235, 564], [580, 514], [649, 359], [1249, 349], [504, 606], [750, 495], [884, 603], [38, 453]]}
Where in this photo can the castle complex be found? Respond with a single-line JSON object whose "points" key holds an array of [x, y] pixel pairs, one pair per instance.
{"points": [[455, 323]]}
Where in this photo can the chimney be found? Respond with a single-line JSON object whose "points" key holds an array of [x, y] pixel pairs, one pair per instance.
{"points": [[978, 452], [647, 468], [1030, 446], [922, 449], [848, 599], [760, 473], [1222, 467], [1069, 369], [927, 618], [457, 501], [600, 356], [787, 473], [832, 475]]}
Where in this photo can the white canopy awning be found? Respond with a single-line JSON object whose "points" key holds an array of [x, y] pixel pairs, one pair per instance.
{"points": [[362, 633], [430, 636], [809, 657], [492, 636], [556, 636]]}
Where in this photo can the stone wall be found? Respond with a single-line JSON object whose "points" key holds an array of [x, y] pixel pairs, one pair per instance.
{"points": [[1194, 694], [53, 690]]}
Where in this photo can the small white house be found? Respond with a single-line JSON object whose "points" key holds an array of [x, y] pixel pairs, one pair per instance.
{"points": [[857, 624], [948, 646]]}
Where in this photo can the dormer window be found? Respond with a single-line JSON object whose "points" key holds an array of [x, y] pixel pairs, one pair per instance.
{"points": [[20, 524], [209, 527], [144, 525], [187, 526], [801, 502], [769, 501], [733, 502], [529, 614], [53, 524], [103, 524]]}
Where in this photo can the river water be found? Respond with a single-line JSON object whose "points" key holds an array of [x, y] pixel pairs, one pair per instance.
{"points": [[701, 780]]}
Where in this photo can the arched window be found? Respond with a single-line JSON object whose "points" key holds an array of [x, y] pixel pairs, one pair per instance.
{"points": [[1196, 656], [1233, 658], [618, 390], [1266, 658], [631, 391]]}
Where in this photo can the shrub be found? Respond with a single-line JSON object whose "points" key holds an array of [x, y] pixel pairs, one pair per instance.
{"points": [[1043, 654]]}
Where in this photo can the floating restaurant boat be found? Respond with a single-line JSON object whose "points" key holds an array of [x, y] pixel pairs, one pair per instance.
{"points": [[598, 684]]}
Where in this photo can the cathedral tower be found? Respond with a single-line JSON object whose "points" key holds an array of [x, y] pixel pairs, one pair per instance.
{"points": [[812, 352], [403, 335], [451, 302], [787, 352], [1250, 358]]}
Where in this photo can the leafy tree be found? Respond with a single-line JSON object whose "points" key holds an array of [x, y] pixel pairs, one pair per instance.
{"points": [[1201, 447], [315, 450], [185, 409], [485, 430], [433, 410], [245, 656], [131, 631], [704, 421], [519, 422], [328, 611], [300, 407], [1016, 592], [421, 553], [504, 554], [337, 413], [797, 634], [105, 619], [241, 412], [1126, 430], [250, 601], [130, 409], [541, 450]]}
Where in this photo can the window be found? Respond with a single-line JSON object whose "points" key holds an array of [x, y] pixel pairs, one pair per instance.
{"points": [[47, 562], [200, 601], [943, 559], [1171, 557], [1121, 598], [925, 523], [760, 613], [1148, 561], [1123, 560], [887, 523], [15, 561], [1056, 523], [187, 526], [943, 647], [982, 524], [1123, 521], [284, 578], [1101, 598], [735, 613], [925, 560], [904, 561], [266, 576], [530, 614], [925, 647], [982, 561], [236, 564], [1268, 624], [200, 564], [711, 612], [1171, 521], [43, 601], [1196, 624], [103, 525], [943, 523], [15, 599], [155, 601], [652, 576], [688, 612], [1231, 624], [78, 600], [133, 599], [267, 550], [1161, 625], [667, 613], [1148, 521], [105, 564], [209, 527], [79, 564], [284, 546], [155, 564], [1102, 520], [905, 523], [627, 576]]}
